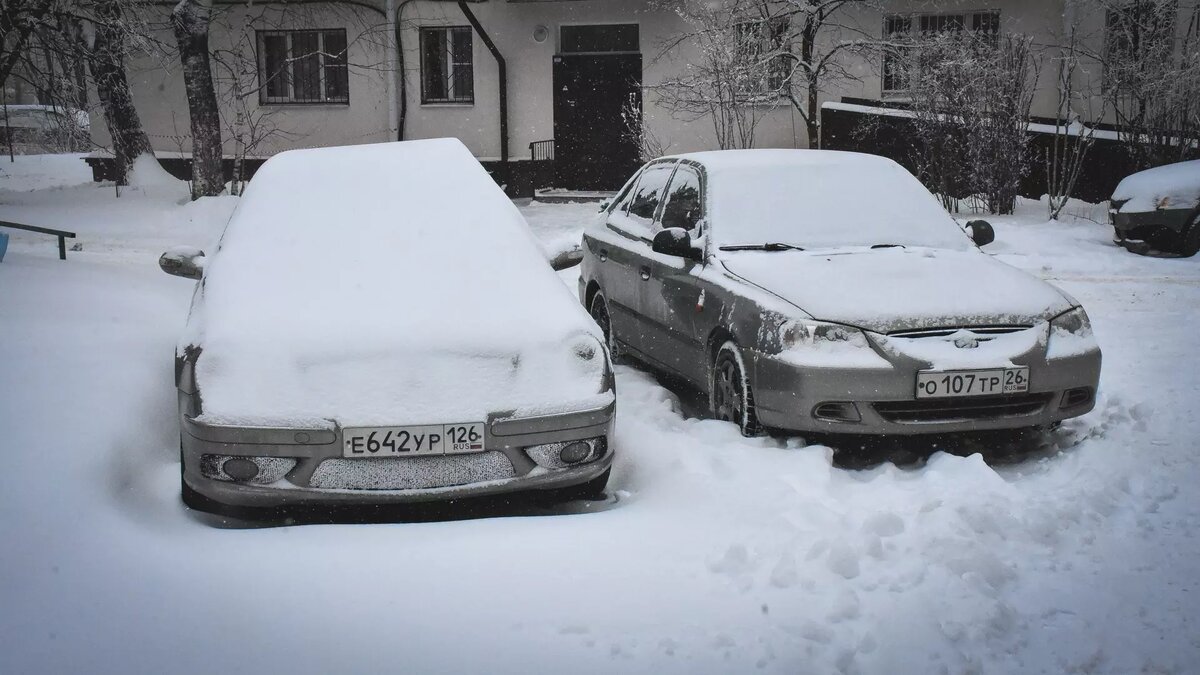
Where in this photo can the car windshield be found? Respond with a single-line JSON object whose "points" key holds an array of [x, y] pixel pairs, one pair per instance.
{"points": [[816, 203]]}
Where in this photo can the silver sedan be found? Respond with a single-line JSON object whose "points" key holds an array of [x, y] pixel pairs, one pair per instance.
{"points": [[827, 291]]}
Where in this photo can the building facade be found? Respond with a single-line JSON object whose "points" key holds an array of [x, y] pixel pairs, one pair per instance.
{"points": [[517, 80]]}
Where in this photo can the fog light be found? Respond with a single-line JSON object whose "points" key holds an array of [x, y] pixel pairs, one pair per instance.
{"points": [[573, 453], [837, 411], [1075, 397], [240, 469]]}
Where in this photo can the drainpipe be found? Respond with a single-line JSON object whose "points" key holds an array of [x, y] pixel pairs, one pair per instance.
{"points": [[503, 76], [390, 51], [399, 29]]}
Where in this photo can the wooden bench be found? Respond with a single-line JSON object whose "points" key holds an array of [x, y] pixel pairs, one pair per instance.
{"points": [[61, 234]]}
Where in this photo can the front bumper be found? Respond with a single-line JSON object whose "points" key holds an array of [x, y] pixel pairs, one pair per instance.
{"points": [[305, 466], [883, 400], [1157, 226]]}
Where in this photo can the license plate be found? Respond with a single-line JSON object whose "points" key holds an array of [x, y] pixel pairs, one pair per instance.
{"points": [[429, 439], [941, 384]]}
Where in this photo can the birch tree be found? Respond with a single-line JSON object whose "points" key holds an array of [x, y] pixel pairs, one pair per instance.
{"points": [[190, 20], [107, 64]]}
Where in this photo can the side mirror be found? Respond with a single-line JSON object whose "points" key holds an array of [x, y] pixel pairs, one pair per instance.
{"points": [[604, 205], [567, 259], [183, 261], [675, 241], [981, 232]]}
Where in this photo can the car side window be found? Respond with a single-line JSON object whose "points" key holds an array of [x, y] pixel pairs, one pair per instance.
{"points": [[621, 202], [648, 194], [684, 207]]}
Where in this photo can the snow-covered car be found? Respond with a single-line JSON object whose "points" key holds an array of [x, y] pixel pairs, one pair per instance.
{"points": [[830, 291], [378, 325], [1159, 209], [33, 129]]}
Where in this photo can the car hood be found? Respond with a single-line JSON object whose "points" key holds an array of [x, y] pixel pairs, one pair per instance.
{"points": [[892, 289]]}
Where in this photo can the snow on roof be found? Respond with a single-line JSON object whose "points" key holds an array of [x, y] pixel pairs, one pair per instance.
{"points": [[350, 281], [1174, 186]]}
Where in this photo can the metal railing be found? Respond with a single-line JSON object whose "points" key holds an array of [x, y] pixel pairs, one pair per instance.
{"points": [[541, 151], [61, 234]]}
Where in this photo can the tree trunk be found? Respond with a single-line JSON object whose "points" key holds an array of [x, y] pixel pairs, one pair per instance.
{"points": [[190, 20], [108, 71]]}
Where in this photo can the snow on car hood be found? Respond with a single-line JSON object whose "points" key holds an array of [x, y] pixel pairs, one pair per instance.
{"points": [[384, 284], [1174, 186], [895, 289]]}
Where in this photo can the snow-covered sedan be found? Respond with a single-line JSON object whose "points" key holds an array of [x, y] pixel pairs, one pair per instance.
{"points": [[1159, 209], [378, 325], [831, 292]]}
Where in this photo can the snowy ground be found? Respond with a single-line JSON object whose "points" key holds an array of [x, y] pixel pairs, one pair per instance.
{"points": [[720, 554]]}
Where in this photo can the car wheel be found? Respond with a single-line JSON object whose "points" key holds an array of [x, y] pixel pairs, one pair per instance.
{"points": [[1189, 243], [599, 311], [730, 397]]}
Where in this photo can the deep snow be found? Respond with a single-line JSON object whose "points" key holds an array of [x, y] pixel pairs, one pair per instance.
{"points": [[720, 554]]}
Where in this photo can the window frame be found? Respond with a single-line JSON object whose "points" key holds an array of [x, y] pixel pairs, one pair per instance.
{"points": [[287, 71], [981, 21], [450, 64]]}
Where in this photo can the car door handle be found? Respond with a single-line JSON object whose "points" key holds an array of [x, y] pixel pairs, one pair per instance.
{"points": [[603, 255], [645, 273]]}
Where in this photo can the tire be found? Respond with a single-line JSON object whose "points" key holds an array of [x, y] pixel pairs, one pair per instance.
{"points": [[598, 309], [730, 398]]}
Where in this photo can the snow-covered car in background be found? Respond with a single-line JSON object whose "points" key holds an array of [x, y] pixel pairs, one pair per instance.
{"points": [[830, 292], [1159, 209], [378, 325], [35, 129]]}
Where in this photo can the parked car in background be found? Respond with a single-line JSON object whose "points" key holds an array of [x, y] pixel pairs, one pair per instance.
{"points": [[1159, 209], [378, 325], [37, 129], [830, 291]]}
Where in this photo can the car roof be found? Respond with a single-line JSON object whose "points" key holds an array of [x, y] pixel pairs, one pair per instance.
{"points": [[733, 160]]}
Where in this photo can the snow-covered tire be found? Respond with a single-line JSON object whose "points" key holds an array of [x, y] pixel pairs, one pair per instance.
{"points": [[598, 309], [729, 394]]}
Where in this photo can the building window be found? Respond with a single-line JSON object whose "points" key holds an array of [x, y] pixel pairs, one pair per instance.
{"points": [[904, 33], [766, 38], [1136, 36], [447, 65], [303, 66]]}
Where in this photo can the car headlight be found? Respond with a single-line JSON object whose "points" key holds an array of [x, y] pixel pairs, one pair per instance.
{"points": [[1075, 322], [814, 333]]}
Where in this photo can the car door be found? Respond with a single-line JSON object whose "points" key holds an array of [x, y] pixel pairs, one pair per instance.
{"points": [[623, 257], [670, 291]]}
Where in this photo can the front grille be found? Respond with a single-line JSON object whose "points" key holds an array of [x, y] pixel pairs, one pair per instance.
{"points": [[411, 473], [944, 331], [926, 411]]}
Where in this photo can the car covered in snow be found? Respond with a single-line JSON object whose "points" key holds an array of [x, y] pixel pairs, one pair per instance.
{"points": [[378, 325], [830, 292], [1159, 209]]}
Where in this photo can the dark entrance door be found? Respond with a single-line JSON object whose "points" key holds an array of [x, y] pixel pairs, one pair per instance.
{"points": [[593, 149]]}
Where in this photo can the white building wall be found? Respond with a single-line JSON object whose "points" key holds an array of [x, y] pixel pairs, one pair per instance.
{"points": [[158, 91]]}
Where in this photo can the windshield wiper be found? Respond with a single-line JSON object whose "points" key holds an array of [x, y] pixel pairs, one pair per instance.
{"points": [[887, 246], [773, 246]]}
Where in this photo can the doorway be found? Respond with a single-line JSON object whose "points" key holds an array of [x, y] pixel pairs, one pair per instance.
{"points": [[597, 80]]}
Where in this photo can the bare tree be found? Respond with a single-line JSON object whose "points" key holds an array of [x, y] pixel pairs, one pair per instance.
{"points": [[190, 19], [1151, 62], [635, 129], [971, 96], [107, 62], [722, 79], [762, 53], [1074, 133]]}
